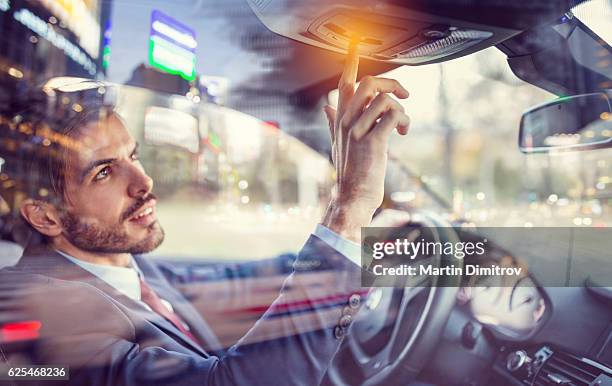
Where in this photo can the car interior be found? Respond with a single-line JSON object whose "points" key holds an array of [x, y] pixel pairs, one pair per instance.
{"points": [[510, 143]]}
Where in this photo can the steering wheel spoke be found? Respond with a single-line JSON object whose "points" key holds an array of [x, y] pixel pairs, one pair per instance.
{"points": [[412, 292], [371, 365]]}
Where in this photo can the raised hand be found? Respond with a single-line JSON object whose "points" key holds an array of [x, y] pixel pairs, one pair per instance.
{"points": [[360, 130]]}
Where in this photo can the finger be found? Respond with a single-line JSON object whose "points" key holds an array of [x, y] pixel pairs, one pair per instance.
{"points": [[379, 106], [349, 75], [391, 120], [346, 85], [330, 113], [368, 89]]}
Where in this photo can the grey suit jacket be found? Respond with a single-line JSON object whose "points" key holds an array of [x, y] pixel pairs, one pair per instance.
{"points": [[107, 338]]}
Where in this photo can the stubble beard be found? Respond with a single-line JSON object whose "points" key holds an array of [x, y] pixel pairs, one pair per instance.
{"points": [[111, 239]]}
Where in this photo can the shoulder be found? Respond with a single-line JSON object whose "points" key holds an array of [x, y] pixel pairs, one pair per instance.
{"points": [[63, 307]]}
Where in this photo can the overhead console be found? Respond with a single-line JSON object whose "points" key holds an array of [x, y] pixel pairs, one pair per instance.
{"points": [[409, 40], [543, 366], [386, 31]]}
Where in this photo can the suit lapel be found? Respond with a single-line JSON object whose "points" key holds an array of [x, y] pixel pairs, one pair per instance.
{"points": [[48, 262], [167, 327], [199, 327]]}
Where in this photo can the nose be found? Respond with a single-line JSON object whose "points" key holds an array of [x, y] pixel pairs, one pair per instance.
{"points": [[140, 183]]}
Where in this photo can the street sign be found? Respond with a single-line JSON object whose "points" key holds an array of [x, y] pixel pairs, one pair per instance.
{"points": [[172, 46]]}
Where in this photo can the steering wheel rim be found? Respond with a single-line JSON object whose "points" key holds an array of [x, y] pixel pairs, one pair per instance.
{"points": [[414, 351]]}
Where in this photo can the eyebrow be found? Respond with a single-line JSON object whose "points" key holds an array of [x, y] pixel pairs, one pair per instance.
{"points": [[94, 164]]}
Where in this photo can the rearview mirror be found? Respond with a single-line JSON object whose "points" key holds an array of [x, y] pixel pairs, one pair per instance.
{"points": [[579, 122]]}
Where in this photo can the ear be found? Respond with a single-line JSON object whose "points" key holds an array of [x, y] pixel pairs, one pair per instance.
{"points": [[42, 216]]}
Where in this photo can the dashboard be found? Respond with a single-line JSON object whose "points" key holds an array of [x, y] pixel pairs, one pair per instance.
{"points": [[510, 311], [543, 365], [570, 344], [527, 332], [539, 330]]}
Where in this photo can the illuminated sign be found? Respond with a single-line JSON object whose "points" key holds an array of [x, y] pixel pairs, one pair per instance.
{"points": [[106, 46], [172, 46], [46, 31], [81, 17]]}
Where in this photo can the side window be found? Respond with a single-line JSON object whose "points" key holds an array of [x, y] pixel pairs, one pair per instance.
{"points": [[222, 176]]}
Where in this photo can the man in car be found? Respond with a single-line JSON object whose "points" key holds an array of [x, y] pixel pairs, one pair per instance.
{"points": [[112, 318]]}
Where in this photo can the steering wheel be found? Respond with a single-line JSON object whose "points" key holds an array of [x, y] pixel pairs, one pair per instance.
{"points": [[398, 329]]}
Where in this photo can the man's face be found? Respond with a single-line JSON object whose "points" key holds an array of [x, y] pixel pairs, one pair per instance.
{"points": [[109, 207]]}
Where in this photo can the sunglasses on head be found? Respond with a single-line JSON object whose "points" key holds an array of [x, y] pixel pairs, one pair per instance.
{"points": [[80, 90]]}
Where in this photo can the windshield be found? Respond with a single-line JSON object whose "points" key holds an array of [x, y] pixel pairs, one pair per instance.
{"points": [[469, 156], [226, 165], [463, 144], [596, 15]]}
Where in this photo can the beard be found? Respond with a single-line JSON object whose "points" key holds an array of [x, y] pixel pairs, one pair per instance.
{"points": [[109, 239]]}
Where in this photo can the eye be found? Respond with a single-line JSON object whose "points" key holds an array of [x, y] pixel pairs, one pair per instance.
{"points": [[102, 174]]}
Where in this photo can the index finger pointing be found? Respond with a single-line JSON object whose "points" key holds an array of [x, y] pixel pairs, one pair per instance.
{"points": [[349, 75], [346, 86]]}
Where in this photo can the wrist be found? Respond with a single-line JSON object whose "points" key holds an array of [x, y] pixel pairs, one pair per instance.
{"points": [[347, 219]]}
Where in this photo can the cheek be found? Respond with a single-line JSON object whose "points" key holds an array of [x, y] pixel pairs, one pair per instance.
{"points": [[103, 204]]}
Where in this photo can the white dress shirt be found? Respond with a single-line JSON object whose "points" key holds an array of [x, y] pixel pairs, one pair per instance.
{"points": [[348, 248]]}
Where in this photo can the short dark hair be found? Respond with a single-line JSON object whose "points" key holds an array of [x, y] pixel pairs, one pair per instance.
{"points": [[45, 130], [37, 131]]}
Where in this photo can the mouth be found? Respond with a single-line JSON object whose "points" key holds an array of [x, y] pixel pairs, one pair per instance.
{"points": [[145, 216]]}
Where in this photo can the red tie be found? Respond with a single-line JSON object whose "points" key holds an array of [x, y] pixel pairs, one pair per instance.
{"points": [[150, 298]]}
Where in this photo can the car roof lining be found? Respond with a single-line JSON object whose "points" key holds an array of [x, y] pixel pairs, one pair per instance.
{"points": [[310, 72]]}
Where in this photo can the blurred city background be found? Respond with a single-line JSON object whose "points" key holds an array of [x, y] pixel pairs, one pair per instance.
{"points": [[233, 133]]}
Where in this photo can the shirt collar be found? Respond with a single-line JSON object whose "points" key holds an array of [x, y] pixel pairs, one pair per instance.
{"points": [[124, 279]]}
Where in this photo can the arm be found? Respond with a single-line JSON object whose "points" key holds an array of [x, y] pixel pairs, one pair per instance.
{"points": [[359, 129], [300, 333], [296, 338]]}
